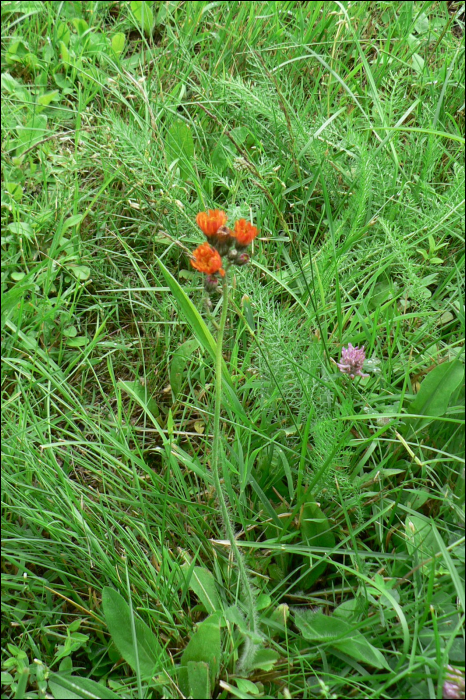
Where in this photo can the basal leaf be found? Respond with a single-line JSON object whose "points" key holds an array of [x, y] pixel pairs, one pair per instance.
{"points": [[198, 679], [65, 687], [420, 538], [204, 646], [143, 15], [205, 339], [359, 648], [118, 43], [435, 393], [316, 532], [149, 655], [139, 392], [179, 361], [203, 584], [265, 659], [180, 146], [340, 634]]}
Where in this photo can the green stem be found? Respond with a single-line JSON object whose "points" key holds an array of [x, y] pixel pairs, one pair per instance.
{"points": [[216, 454]]}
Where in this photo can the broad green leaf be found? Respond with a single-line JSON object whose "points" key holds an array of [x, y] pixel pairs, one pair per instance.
{"points": [[280, 615], [415, 499], [180, 145], [11, 300], [219, 156], [265, 659], [10, 84], [204, 646], [420, 538], [198, 679], [317, 627], [240, 133], [20, 228], [263, 601], [64, 53], [80, 25], [316, 532], [236, 617], [139, 392], [63, 33], [179, 140], [22, 682], [418, 63], [48, 97], [458, 580], [17, 49], [63, 83], [97, 43], [143, 15], [179, 361], [246, 686], [361, 649], [349, 609], [17, 276], [205, 338], [70, 332], [118, 43], [421, 24], [315, 527], [72, 221], [339, 633], [81, 272], [64, 687], [435, 393], [15, 189], [203, 584], [248, 312], [79, 342], [150, 656]]}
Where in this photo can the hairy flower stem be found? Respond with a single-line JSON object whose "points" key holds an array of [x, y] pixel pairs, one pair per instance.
{"points": [[216, 459]]}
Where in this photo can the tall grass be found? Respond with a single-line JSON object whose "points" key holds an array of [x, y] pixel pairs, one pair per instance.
{"points": [[338, 128]]}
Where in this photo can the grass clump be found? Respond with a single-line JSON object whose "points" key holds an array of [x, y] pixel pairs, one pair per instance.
{"points": [[338, 129]]}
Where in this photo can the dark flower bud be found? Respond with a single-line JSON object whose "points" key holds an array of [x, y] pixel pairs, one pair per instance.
{"points": [[232, 254], [241, 260], [223, 240], [211, 284]]}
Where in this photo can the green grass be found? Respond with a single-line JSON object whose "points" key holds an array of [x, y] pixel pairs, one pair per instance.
{"points": [[338, 128]]}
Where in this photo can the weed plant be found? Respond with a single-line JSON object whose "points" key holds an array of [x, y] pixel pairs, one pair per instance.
{"points": [[338, 129]]}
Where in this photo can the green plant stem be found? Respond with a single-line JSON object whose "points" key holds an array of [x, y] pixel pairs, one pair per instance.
{"points": [[216, 455]]}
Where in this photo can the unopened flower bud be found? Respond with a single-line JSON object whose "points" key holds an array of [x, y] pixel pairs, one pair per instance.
{"points": [[232, 254], [242, 259], [223, 240], [211, 284]]}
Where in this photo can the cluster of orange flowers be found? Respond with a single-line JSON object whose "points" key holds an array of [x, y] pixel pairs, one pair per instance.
{"points": [[222, 241]]}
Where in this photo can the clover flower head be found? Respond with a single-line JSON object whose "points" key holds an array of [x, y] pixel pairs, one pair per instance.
{"points": [[454, 686], [352, 360], [206, 259], [244, 233], [210, 221]]}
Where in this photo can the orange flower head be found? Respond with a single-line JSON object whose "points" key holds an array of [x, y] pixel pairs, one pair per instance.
{"points": [[210, 222], [206, 259], [244, 233]]}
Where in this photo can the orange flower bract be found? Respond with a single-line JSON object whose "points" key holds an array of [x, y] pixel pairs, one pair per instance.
{"points": [[210, 222], [244, 233], [206, 259]]}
